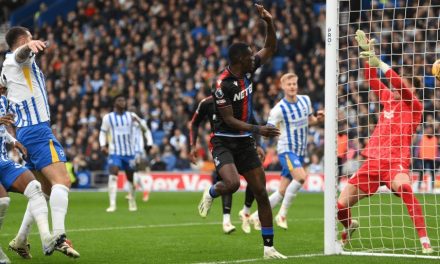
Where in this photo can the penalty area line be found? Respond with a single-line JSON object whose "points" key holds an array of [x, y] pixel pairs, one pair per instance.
{"points": [[259, 259], [113, 228]]}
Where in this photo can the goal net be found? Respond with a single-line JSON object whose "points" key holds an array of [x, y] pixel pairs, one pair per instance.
{"points": [[407, 38]]}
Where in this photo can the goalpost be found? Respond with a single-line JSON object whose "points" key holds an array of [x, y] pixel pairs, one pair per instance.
{"points": [[408, 39]]}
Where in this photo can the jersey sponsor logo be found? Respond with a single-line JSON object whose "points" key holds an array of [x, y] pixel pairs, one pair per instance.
{"points": [[388, 115], [219, 93], [243, 94]]}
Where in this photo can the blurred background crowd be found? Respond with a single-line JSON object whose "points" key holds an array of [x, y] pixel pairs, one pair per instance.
{"points": [[164, 56]]}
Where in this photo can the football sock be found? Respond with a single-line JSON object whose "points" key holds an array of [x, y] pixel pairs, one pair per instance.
{"points": [[414, 209], [344, 215], [131, 189], [249, 197], [226, 218], [112, 189], [4, 204], [212, 192], [290, 194], [267, 234], [227, 203], [37, 206], [59, 201], [26, 226], [246, 210], [275, 198]]}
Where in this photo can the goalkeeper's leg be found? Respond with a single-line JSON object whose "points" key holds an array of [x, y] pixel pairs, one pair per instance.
{"points": [[401, 185], [348, 197]]}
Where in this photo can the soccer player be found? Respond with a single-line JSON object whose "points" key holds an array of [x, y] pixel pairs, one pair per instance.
{"points": [[116, 140], [28, 101], [388, 151], [293, 115], [234, 149], [16, 178], [205, 110], [142, 140]]}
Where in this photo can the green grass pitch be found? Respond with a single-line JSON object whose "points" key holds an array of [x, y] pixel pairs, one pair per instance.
{"points": [[167, 229]]}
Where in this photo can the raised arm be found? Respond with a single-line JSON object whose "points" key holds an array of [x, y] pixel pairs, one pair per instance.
{"points": [[405, 92], [23, 52], [270, 44], [378, 87]]}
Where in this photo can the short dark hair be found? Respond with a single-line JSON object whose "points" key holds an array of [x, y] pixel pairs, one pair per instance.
{"points": [[236, 51], [118, 96], [13, 34]]}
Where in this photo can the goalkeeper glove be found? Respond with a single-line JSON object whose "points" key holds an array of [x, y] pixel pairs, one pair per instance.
{"points": [[363, 41], [374, 61]]}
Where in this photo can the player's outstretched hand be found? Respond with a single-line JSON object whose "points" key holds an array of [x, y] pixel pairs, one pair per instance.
{"points": [[193, 156], [21, 148], [269, 131], [36, 45], [7, 119], [373, 60], [264, 14], [320, 115], [104, 150], [365, 43]]}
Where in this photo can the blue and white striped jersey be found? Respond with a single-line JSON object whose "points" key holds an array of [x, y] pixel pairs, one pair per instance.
{"points": [[293, 121], [26, 91], [141, 138], [5, 137], [118, 131]]}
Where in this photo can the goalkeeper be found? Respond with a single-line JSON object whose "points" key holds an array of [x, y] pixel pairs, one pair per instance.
{"points": [[388, 150]]}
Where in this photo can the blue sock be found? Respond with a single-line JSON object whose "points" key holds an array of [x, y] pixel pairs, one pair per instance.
{"points": [[212, 192], [267, 234]]}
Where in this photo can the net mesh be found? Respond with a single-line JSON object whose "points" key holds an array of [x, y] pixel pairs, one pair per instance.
{"points": [[408, 39]]}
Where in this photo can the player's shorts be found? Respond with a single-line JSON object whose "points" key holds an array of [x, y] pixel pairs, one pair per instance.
{"points": [[9, 172], [122, 162], [240, 151], [290, 161], [42, 146], [374, 173]]}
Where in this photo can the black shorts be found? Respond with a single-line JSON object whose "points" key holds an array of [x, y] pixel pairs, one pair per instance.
{"points": [[241, 151]]}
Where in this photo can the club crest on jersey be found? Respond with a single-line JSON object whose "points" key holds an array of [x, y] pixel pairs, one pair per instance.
{"points": [[243, 94], [219, 93], [388, 115]]}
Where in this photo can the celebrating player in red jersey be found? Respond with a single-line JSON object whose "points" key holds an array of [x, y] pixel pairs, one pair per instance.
{"points": [[388, 150]]}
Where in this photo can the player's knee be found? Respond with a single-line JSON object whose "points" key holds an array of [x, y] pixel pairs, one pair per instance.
{"points": [[282, 191], [33, 188], [260, 193], [342, 205], [232, 185], [403, 188]]}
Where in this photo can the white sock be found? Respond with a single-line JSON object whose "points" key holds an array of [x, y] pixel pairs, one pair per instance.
{"points": [[112, 189], [4, 204], [37, 208], [275, 198], [291, 191], [424, 240], [246, 210], [131, 189], [226, 218], [26, 226], [59, 201]]}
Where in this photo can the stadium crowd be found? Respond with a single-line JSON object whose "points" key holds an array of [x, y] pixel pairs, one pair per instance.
{"points": [[163, 55]]}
